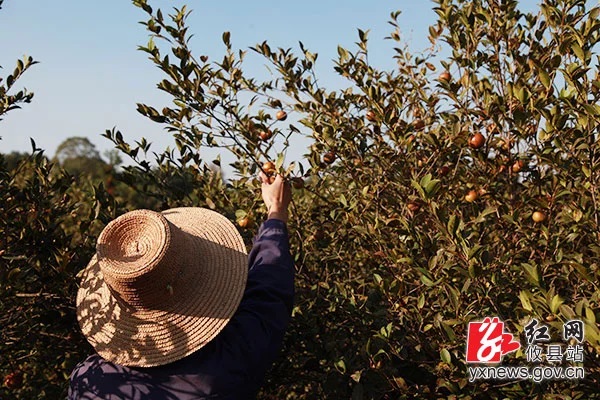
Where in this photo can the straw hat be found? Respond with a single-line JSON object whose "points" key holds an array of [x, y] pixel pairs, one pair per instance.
{"points": [[161, 285]]}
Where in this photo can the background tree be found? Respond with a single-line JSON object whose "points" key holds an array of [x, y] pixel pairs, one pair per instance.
{"points": [[79, 156], [45, 237]]}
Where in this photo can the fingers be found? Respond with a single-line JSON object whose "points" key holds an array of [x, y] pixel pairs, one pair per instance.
{"points": [[270, 180], [263, 178]]}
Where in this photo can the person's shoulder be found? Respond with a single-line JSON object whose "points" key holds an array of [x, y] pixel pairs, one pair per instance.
{"points": [[94, 367], [92, 362]]}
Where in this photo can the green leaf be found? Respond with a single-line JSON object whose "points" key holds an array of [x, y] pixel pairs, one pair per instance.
{"points": [[421, 301], [432, 187], [377, 278], [578, 51], [427, 281], [555, 304], [239, 214], [425, 180], [567, 312], [481, 217], [586, 171], [524, 297], [532, 274], [340, 365], [226, 38], [13, 272], [545, 79], [279, 162], [343, 200], [416, 185], [445, 356], [590, 316]]}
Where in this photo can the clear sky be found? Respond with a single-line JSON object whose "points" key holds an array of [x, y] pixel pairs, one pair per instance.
{"points": [[91, 76]]}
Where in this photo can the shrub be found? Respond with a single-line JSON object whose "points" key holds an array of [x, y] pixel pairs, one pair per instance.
{"points": [[393, 259]]}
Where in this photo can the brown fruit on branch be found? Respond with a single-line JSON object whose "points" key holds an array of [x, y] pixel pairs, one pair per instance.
{"points": [[298, 183], [418, 124], [477, 141], [538, 216], [14, 380], [268, 168], [371, 116], [444, 170], [265, 135], [445, 76], [471, 196], [244, 222], [413, 206], [518, 166], [319, 234], [329, 157], [281, 115]]}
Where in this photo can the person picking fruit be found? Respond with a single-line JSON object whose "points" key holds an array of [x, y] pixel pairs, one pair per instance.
{"points": [[175, 309]]}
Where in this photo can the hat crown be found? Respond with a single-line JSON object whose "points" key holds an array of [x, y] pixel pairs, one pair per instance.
{"points": [[140, 255]]}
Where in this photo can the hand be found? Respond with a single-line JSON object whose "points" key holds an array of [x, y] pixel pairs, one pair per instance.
{"points": [[277, 197]]}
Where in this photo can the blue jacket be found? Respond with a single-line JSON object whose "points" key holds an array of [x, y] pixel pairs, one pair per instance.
{"points": [[231, 366]]}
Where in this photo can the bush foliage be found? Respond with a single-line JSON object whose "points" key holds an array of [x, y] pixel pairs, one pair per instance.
{"points": [[437, 193]]}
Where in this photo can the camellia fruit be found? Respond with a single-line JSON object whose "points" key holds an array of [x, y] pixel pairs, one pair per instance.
{"points": [[298, 183], [518, 165], [471, 196], [244, 222], [538, 216], [265, 135], [445, 76], [413, 206], [418, 124], [14, 380], [329, 157], [371, 115], [319, 234], [268, 168], [477, 141], [281, 115]]}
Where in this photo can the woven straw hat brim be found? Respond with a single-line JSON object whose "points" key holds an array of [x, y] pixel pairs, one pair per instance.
{"points": [[205, 298]]}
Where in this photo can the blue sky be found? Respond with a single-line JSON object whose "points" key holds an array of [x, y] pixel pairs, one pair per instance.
{"points": [[91, 76]]}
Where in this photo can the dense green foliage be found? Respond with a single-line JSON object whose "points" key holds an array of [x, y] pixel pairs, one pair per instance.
{"points": [[393, 259]]}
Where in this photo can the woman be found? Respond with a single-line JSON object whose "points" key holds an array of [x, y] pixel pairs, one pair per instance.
{"points": [[176, 309]]}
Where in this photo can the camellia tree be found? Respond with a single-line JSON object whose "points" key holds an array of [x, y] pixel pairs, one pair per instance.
{"points": [[434, 194]]}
